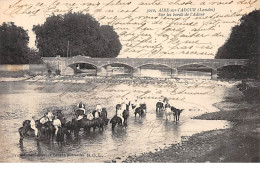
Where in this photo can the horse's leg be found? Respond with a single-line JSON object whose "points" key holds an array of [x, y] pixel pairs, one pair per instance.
{"points": [[113, 126], [21, 138]]}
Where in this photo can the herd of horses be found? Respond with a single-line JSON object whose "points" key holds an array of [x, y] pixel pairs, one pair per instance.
{"points": [[46, 131]]}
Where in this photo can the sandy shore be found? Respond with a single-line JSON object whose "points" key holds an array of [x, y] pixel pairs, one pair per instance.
{"points": [[240, 143]]}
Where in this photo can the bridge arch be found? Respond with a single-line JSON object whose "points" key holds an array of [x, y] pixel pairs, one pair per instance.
{"points": [[194, 64], [117, 69], [157, 70], [155, 64], [191, 70], [84, 68]]}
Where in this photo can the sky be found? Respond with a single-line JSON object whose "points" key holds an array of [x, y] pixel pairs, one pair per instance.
{"points": [[147, 28]]}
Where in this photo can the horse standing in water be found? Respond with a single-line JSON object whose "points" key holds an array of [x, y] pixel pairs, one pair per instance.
{"points": [[140, 110], [27, 132], [117, 120], [177, 113], [159, 107]]}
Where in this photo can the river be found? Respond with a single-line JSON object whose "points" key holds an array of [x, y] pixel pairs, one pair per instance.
{"points": [[20, 100]]}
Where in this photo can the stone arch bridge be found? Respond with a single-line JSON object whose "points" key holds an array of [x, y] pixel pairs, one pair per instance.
{"points": [[68, 65]]}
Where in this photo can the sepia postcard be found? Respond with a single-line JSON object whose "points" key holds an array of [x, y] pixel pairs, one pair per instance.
{"points": [[121, 81]]}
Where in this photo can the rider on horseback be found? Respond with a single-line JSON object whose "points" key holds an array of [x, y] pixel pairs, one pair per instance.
{"points": [[56, 124], [90, 116], [33, 126], [50, 116], [98, 111], [119, 114], [44, 119]]}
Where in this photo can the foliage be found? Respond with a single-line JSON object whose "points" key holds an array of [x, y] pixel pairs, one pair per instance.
{"points": [[13, 44], [243, 42], [81, 32], [34, 57]]}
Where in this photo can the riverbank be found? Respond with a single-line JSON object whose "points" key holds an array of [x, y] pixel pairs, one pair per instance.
{"points": [[240, 143]]}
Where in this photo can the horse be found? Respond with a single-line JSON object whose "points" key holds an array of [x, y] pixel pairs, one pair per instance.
{"points": [[101, 123], [177, 113], [118, 121], [73, 126], [49, 130], [168, 112], [27, 132], [26, 123], [140, 111], [159, 107], [103, 115], [143, 106], [88, 124], [60, 134]]}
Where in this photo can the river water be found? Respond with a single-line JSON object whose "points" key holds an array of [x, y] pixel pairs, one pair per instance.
{"points": [[20, 100]]}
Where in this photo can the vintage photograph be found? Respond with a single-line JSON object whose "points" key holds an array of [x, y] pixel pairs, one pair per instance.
{"points": [[121, 81]]}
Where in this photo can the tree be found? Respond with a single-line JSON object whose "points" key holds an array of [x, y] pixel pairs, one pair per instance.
{"points": [[243, 42], [13, 44], [81, 32], [113, 46]]}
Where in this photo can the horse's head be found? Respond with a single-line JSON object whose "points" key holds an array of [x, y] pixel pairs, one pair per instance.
{"points": [[59, 114], [104, 112], [26, 123]]}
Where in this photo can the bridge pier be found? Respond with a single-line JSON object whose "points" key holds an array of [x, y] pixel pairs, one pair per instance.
{"points": [[214, 74], [136, 72], [174, 73], [101, 71]]}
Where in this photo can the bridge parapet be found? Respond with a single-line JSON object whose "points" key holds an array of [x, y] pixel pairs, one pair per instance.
{"points": [[137, 63], [169, 62]]}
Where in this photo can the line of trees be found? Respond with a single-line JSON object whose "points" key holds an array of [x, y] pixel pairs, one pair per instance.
{"points": [[69, 34]]}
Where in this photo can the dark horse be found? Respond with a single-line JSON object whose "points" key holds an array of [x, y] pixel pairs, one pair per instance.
{"points": [[159, 107], [26, 131], [141, 110], [87, 124], [60, 134], [177, 113], [117, 120], [103, 115]]}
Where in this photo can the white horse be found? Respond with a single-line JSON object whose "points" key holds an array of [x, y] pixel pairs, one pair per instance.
{"points": [[168, 112]]}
